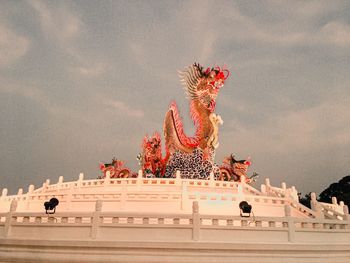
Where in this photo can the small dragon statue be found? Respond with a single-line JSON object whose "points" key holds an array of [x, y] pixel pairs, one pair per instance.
{"points": [[150, 160], [234, 170], [116, 169]]}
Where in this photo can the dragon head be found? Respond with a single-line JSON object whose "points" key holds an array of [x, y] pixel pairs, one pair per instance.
{"points": [[204, 85], [152, 146]]}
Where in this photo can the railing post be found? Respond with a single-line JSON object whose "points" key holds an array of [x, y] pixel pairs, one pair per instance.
{"points": [[240, 190], [60, 180], [20, 191], [123, 194], [69, 196], [315, 206], [80, 180], [4, 193], [291, 226], [196, 224], [267, 186], [346, 212], [47, 182], [212, 179], [334, 200], [294, 194], [95, 220], [184, 195], [7, 228], [139, 179], [30, 191], [284, 186], [107, 179], [178, 177]]}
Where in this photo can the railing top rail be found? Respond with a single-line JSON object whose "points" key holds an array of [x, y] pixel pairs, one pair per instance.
{"points": [[170, 215], [176, 191], [336, 214], [58, 214], [321, 221], [301, 206], [252, 189]]}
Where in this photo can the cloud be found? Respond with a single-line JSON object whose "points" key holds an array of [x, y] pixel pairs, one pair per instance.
{"points": [[286, 24], [65, 30], [311, 9], [336, 33], [62, 28], [12, 46], [91, 71], [31, 93], [333, 33], [123, 108], [319, 127], [61, 24], [48, 104]]}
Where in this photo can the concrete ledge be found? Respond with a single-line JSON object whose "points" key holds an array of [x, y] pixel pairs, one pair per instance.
{"points": [[14, 250]]}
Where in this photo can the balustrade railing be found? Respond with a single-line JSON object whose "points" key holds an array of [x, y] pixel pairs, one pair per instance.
{"points": [[95, 222], [141, 189]]}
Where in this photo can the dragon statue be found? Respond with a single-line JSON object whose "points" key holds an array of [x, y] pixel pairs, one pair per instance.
{"points": [[150, 160], [116, 169], [194, 156], [234, 170]]}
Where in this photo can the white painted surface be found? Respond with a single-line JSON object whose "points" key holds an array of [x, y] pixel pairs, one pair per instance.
{"points": [[169, 220]]}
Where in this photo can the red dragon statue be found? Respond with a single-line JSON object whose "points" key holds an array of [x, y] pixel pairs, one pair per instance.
{"points": [[202, 88], [116, 169], [151, 159], [234, 170], [194, 156]]}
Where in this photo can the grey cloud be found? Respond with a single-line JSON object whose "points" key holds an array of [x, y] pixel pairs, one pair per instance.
{"points": [[94, 78], [12, 46]]}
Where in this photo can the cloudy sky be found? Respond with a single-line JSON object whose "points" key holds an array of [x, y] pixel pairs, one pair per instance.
{"points": [[83, 81]]}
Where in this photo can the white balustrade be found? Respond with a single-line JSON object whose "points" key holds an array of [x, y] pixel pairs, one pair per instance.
{"points": [[199, 223], [124, 192]]}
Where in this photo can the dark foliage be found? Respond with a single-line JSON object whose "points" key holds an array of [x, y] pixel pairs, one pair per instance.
{"points": [[305, 200], [341, 190]]}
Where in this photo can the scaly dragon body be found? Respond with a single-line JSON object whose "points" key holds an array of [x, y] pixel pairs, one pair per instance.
{"points": [[202, 88]]}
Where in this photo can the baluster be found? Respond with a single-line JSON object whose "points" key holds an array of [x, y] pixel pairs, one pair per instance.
{"points": [[304, 225], [316, 225], [196, 221], [244, 222]]}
